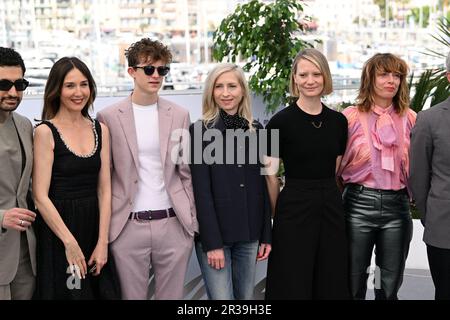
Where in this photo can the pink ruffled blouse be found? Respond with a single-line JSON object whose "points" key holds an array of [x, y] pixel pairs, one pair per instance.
{"points": [[377, 148]]}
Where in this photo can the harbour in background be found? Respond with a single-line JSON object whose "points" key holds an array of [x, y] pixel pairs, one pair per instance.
{"points": [[98, 32]]}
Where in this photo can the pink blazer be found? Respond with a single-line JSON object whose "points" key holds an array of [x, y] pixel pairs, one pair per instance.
{"points": [[125, 163]]}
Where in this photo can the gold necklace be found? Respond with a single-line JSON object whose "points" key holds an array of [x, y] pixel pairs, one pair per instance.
{"points": [[317, 126]]}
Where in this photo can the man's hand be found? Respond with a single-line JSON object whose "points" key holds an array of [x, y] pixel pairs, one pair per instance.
{"points": [[18, 219]]}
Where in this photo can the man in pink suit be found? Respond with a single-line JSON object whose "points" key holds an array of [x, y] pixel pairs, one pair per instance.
{"points": [[153, 212]]}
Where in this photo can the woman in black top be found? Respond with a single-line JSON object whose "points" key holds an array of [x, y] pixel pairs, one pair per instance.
{"points": [[230, 192], [309, 254]]}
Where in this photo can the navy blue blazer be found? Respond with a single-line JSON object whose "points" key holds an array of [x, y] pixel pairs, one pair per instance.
{"points": [[231, 199]]}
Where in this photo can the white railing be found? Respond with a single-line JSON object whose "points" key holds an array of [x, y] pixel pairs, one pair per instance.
{"points": [[31, 107]]}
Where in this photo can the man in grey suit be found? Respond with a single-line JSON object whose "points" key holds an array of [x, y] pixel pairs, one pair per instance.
{"points": [[430, 185], [153, 218], [17, 240]]}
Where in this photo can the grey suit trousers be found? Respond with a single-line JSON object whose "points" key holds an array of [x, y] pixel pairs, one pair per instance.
{"points": [[23, 284]]}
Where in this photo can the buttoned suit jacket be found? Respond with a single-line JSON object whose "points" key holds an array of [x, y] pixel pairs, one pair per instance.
{"points": [[10, 239], [231, 198], [119, 118], [430, 172]]}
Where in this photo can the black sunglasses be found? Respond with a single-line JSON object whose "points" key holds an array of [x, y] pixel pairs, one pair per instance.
{"points": [[149, 70], [20, 84]]}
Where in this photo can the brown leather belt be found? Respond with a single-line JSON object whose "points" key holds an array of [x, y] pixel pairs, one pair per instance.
{"points": [[152, 214]]}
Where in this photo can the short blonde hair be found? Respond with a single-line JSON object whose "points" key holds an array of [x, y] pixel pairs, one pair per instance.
{"points": [[318, 59], [210, 109], [383, 62]]}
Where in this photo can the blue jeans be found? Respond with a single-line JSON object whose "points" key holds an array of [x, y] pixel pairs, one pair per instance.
{"points": [[237, 279]]}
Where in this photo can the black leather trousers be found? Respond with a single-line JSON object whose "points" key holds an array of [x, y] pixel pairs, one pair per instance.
{"points": [[380, 219]]}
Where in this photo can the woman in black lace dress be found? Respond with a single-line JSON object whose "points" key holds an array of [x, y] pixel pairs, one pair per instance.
{"points": [[71, 186]]}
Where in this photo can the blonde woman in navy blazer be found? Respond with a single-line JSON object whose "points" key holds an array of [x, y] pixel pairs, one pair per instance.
{"points": [[231, 197]]}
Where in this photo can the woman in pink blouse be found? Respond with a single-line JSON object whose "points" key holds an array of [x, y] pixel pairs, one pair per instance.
{"points": [[374, 170]]}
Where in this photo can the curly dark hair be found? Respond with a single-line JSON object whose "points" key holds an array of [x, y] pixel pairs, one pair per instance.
{"points": [[11, 58], [146, 49]]}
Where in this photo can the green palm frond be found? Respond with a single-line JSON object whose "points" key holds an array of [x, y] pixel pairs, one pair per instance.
{"points": [[433, 82], [444, 32], [442, 91], [422, 90]]}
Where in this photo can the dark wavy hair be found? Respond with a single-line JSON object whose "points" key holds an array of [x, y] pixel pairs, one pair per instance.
{"points": [[146, 49], [11, 58], [383, 62], [55, 81]]}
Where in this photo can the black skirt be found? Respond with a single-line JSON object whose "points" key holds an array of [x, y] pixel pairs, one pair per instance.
{"points": [[309, 258]]}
